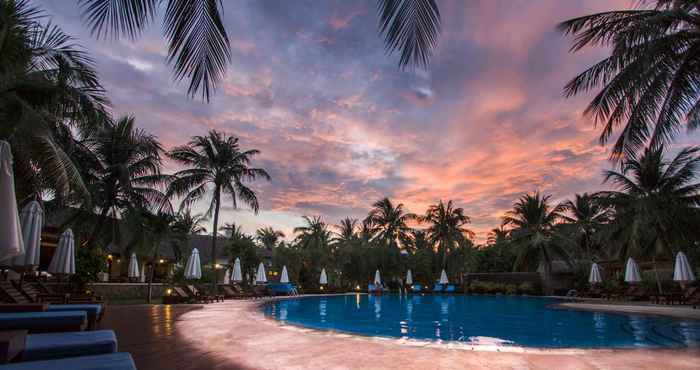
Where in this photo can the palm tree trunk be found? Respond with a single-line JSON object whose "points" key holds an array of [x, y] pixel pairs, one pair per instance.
{"points": [[151, 275], [98, 226], [217, 198]]}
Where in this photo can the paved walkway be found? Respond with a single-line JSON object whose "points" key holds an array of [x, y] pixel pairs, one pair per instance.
{"points": [[235, 335]]}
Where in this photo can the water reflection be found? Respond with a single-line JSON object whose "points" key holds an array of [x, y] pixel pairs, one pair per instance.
{"points": [[322, 305]]}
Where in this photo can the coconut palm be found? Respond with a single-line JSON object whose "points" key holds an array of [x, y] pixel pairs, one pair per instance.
{"points": [[532, 230], [215, 162], [585, 216], [390, 223], [347, 231], [125, 173], [198, 44], [314, 234], [655, 202], [498, 235], [184, 226], [446, 228], [269, 237], [48, 91], [649, 81]]}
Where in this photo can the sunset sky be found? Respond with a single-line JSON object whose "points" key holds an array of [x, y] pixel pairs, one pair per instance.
{"points": [[340, 126]]}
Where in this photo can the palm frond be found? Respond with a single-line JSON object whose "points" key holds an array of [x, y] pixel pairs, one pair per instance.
{"points": [[411, 27]]}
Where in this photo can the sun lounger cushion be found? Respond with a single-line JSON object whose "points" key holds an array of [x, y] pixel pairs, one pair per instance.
{"points": [[450, 289], [437, 288], [41, 320], [93, 310], [111, 361], [416, 287], [72, 344]]}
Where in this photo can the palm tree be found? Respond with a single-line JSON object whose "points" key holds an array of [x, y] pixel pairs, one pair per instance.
{"points": [[198, 44], [656, 202], [585, 216], [49, 90], [390, 223], [498, 235], [125, 173], [649, 80], [347, 231], [532, 221], [184, 226], [446, 228], [269, 237], [215, 162], [314, 234]]}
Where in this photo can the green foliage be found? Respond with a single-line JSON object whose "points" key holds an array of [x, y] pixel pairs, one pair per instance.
{"points": [[88, 263]]}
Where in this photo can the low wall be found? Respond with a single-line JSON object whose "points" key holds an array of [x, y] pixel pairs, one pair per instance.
{"points": [[126, 290]]}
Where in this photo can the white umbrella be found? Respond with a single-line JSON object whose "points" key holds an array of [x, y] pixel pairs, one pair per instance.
{"points": [[632, 274], [32, 219], [682, 271], [236, 275], [193, 269], [142, 277], [63, 261], [594, 277], [409, 278], [284, 279], [261, 277], [324, 277], [443, 277], [11, 243], [377, 278], [133, 267], [227, 277]]}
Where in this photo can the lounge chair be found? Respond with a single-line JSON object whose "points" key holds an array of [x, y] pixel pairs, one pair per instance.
{"points": [[35, 295], [199, 295], [72, 297], [230, 293], [261, 291], [95, 311], [416, 288], [438, 288], [44, 322], [449, 289], [59, 345], [239, 290], [281, 288], [110, 361], [374, 289]]}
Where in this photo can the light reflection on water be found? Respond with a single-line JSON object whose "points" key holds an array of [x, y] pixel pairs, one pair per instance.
{"points": [[519, 320]]}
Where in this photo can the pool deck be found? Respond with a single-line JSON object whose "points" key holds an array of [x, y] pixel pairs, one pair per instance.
{"points": [[679, 312], [236, 335]]}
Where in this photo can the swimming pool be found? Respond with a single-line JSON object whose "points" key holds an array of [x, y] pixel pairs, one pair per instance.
{"points": [[507, 320]]}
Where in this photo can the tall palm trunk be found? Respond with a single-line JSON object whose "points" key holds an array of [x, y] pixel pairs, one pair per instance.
{"points": [[152, 274], [217, 195], [98, 227]]}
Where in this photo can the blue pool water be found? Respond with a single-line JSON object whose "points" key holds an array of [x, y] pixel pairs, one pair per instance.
{"points": [[520, 321]]}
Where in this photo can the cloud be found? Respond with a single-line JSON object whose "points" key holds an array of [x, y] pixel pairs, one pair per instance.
{"points": [[339, 125]]}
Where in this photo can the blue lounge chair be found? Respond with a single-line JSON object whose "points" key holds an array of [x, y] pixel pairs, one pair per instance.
{"points": [[282, 288], [111, 361], [59, 345], [416, 288], [374, 289], [450, 289], [94, 311], [44, 322], [437, 288]]}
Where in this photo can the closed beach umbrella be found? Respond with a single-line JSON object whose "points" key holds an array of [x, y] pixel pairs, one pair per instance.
{"points": [[261, 277], [377, 278], [133, 267], [32, 220], [594, 277], [409, 278], [227, 277], [11, 244], [632, 274], [682, 271], [193, 269], [63, 261], [284, 279], [443, 277], [324, 277], [237, 275]]}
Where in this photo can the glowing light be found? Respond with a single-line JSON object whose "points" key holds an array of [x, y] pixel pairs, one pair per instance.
{"points": [[357, 287], [161, 261], [168, 291], [322, 287], [109, 256]]}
